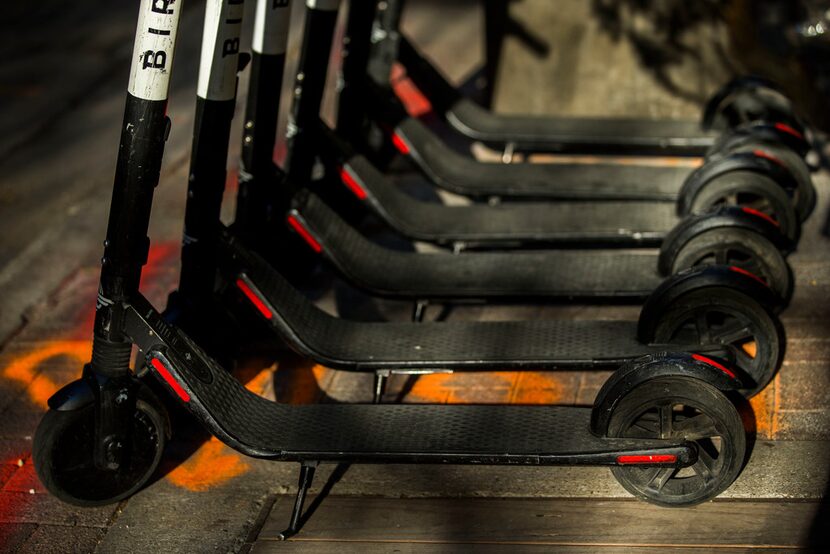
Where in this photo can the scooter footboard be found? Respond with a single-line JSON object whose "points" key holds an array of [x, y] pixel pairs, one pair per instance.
{"points": [[464, 175], [498, 435]]}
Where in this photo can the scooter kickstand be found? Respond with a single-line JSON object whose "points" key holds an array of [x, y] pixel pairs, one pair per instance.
{"points": [[381, 378], [419, 310], [307, 470]]}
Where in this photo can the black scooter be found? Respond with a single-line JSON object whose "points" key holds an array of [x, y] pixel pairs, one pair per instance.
{"points": [[740, 103], [103, 435], [760, 149]]}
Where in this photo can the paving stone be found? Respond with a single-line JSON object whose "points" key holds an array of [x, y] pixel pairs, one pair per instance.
{"points": [[24, 480], [23, 507], [805, 386], [59, 539], [173, 520], [803, 425], [14, 535]]}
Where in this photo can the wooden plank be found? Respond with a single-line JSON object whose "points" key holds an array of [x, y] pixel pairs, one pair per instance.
{"points": [[559, 522], [338, 547]]}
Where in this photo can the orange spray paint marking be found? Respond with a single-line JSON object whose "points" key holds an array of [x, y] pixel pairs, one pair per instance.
{"points": [[537, 388], [26, 368], [498, 387], [763, 405], [214, 463], [211, 465]]}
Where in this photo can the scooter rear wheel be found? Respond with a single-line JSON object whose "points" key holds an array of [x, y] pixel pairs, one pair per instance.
{"points": [[688, 408], [804, 198], [63, 455], [740, 248], [751, 190], [723, 316]]}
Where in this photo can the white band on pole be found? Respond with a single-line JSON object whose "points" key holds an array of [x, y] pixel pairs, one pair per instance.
{"points": [[220, 49], [271, 26], [155, 42], [324, 5]]}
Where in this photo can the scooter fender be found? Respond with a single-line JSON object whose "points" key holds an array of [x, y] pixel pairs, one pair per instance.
{"points": [[759, 133], [739, 161], [744, 85], [697, 278], [731, 217], [72, 396], [637, 372]]}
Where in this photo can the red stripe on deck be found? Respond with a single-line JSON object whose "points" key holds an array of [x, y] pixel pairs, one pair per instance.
{"points": [[168, 377], [301, 230], [258, 303]]}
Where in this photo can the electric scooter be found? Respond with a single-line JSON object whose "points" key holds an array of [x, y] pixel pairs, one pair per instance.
{"points": [[103, 436], [742, 102], [766, 150]]}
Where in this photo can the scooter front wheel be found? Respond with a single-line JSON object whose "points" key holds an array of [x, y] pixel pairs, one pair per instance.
{"points": [[63, 455], [689, 409]]}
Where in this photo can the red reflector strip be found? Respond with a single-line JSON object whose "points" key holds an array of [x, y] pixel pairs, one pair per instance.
{"points": [[400, 144], [762, 215], [168, 378], [351, 183], [789, 130], [645, 459], [767, 156], [258, 303], [713, 363], [748, 274], [301, 230]]}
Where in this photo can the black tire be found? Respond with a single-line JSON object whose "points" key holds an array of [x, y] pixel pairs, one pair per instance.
{"points": [[740, 248], [752, 190], [751, 104], [720, 315], [675, 407], [62, 453], [804, 199]]}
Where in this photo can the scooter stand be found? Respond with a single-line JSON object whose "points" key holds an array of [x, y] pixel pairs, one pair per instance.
{"points": [[307, 470]]}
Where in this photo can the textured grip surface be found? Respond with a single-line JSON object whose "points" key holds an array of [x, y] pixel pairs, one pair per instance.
{"points": [[526, 274], [464, 175], [476, 122], [494, 434], [563, 221], [452, 345]]}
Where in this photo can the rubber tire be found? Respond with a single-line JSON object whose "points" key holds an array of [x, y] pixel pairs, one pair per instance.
{"points": [[700, 395], [768, 99], [60, 431], [768, 348], [772, 266], [741, 181], [805, 193]]}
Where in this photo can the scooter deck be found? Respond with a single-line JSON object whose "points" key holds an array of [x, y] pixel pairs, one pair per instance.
{"points": [[595, 135], [537, 435], [561, 222], [555, 134], [597, 181], [454, 345], [515, 274]]}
